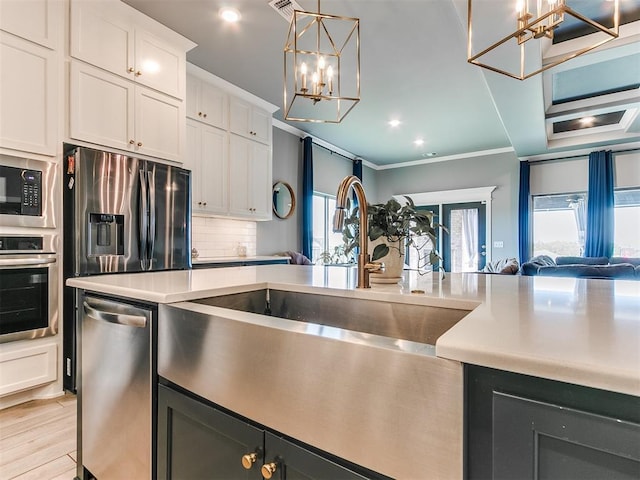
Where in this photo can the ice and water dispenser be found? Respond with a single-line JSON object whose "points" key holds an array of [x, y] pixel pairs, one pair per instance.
{"points": [[106, 234]]}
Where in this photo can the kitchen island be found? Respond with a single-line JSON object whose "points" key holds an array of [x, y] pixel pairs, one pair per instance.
{"points": [[583, 333]]}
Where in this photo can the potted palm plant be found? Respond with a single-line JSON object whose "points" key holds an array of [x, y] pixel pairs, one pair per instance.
{"points": [[392, 228]]}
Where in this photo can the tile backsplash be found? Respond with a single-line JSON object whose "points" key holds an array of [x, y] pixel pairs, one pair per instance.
{"points": [[220, 237]]}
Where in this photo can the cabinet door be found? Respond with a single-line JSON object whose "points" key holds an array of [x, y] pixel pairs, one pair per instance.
{"points": [[539, 440], [296, 463], [102, 36], [249, 179], [199, 441], [260, 181], [158, 65], [192, 159], [214, 174], [261, 122], [213, 105], [101, 107], [239, 188], [239, 117], [206, 103], [159, 124], [28, 89], [35, 20]]}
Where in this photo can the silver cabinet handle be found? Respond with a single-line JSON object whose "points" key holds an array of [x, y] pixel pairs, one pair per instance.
{"points": [[14, 262], [138, 321]]}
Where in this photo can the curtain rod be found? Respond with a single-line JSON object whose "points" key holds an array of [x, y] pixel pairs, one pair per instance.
{"points": [[332, 151]]}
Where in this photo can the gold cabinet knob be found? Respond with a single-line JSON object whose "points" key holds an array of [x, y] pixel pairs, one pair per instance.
{"points": [[131, 142], [268, 469], [199, 114], [131, 69], [205, 115], [139, 144], [249, 459], [138, 73], [204, 204], [199, 203]]}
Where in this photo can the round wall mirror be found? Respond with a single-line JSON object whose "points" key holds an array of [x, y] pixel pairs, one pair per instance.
{"points": [[284, 201]]}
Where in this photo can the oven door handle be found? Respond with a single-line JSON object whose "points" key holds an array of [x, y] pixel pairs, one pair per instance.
{"points": [[25, 262], [138, 321]]}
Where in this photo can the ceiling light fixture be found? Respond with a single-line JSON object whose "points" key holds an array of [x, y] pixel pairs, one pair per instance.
{"points": [[394, 123], [587, 121], [534, 24], [321, 67], [230, 15], [418, 142]]}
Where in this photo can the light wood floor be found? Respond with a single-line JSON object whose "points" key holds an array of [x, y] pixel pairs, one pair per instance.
{"points": [[38, 440]]}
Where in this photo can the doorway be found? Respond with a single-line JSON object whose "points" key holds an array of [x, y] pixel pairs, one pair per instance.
{"points": [[464, 247]]}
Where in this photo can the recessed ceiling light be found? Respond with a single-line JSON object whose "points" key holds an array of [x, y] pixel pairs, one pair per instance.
{"points": [[230, 15], [586, 121], [429, 154], [418, 142], [394, 123]]}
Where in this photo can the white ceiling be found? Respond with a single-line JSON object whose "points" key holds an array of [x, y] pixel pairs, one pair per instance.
{"points": [[413, 68]]}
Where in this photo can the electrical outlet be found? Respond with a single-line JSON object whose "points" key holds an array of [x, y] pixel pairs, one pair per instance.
{"points": [[498, 244]]}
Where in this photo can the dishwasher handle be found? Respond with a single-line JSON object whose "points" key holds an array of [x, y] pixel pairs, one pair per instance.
{"points": [[138, 321]]}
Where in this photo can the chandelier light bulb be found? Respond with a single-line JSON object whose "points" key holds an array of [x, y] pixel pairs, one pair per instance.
{"points": [[303, 74]]}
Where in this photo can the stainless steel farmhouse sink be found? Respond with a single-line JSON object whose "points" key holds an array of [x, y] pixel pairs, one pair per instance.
{"points": [[355, 377], [418, 323]]}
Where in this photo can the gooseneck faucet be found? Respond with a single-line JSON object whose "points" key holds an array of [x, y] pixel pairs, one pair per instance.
{"points": [[365, 266]]}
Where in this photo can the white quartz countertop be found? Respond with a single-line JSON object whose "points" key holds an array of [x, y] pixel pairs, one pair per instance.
{"points": [[579, 331], [255, 258]]}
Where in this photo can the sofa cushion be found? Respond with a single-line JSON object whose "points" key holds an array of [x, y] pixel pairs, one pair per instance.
{"points": [[505, 266], [635, 261], [621, 271], [531, 267], [582, 260]]}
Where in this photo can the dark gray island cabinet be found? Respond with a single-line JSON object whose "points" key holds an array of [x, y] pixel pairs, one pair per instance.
{"points": [[523, 427], [199, 440]]}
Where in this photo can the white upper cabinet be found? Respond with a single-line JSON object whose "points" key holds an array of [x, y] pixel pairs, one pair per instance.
{"points": [[121, 40], [35, 20], [108, 110], [28, 96], [207, 158], [206, 103], [249, 179], [249, 121]]}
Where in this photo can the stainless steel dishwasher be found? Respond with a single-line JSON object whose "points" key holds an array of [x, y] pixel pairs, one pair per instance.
{"points": [[115, 427]]}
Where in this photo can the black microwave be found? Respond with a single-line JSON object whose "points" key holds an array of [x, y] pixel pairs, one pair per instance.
{"points": [[20, 191]]}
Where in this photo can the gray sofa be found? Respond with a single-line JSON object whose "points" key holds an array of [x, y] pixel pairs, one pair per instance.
{"points": [[584, 267]]}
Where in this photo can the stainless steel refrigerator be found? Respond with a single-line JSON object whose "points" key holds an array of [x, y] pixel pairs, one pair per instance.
{"points": [[121, 214]]}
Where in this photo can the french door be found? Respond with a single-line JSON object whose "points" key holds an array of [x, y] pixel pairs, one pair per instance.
{"points": [[464, 247]]}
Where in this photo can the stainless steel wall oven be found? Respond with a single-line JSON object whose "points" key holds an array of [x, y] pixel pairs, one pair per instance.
{"points": [[28, 287]]}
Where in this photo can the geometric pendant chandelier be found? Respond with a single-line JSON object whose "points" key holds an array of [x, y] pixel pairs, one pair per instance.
{"points": [[321, 67], [529, 22]]}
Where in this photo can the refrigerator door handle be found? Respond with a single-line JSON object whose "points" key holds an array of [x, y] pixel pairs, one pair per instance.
{"points": [[143, 220], [151, 239], [137, 321]]}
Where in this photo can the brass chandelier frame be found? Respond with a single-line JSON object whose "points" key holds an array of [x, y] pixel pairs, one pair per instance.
{"points": [[300, 90], [535, 28]]}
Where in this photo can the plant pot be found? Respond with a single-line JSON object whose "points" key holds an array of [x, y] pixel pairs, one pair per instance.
{"points": [[393, 261]]}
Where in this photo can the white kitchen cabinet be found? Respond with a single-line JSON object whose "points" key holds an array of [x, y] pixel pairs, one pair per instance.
{"points": [[118, 38], [249, 121], [249, 179], [28, 93], [108, 110], [206, 103], [207, 158], [35, 20]]}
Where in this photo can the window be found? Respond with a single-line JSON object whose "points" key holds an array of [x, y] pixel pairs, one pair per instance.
{"points": [[324, 239], [626, 239], [559, 223]]}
